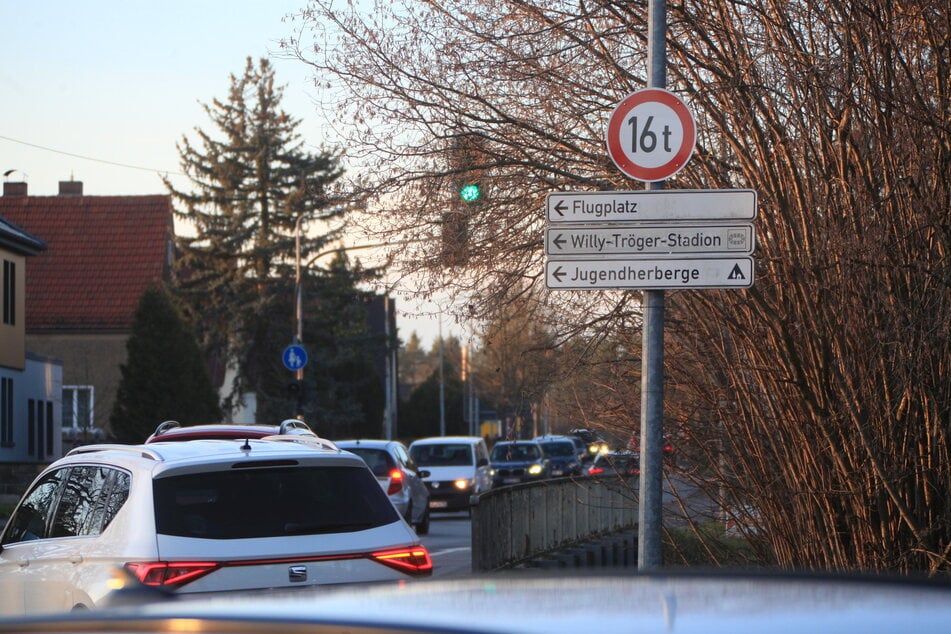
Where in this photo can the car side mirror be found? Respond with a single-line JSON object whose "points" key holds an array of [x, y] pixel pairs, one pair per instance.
{"points": [[423, 473], [483, 462]]}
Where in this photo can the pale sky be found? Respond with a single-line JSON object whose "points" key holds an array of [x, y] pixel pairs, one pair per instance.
{"points": [[97, 90]]}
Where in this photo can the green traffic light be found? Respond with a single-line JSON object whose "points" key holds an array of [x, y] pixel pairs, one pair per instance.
{"points": [[470, 193]]}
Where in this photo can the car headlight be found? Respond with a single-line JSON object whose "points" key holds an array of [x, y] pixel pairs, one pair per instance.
{"points": [[492, 472], [535, 469], [462, 484]]}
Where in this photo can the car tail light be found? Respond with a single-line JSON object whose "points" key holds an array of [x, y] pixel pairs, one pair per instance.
{"points": [[413, 561], [595, 471], [170, 574], [396, 482]]}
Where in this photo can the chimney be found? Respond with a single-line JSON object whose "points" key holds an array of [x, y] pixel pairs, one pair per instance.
{"points": [[70, 188], [14, 189]]}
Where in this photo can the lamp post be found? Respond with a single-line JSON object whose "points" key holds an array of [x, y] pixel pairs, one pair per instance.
{"points": [[297, 282]]}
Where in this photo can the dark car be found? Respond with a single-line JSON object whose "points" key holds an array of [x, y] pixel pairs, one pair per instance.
{"points": [[562, 455], [517, 461], [592, 440], [624, 463], [667, 448]]}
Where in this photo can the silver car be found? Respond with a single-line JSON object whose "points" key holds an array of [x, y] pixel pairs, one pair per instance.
{"points": [[398, 474], [201, 516]]}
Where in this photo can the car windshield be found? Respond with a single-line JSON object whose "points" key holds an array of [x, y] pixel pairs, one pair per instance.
{"points": [[442, 455], [506, 452], [560, 449], [270, 502]]}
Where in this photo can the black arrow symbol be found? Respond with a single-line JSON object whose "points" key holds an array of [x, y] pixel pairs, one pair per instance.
{"points": [[558, 274], [560, 207], [559, 241]]}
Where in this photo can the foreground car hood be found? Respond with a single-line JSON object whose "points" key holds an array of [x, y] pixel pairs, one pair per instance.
{"points": [[530, 604]]}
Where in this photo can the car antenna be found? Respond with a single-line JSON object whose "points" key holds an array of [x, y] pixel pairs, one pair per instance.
{"points": [[246, 446]]}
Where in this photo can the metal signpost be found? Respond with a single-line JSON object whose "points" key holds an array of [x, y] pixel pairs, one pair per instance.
{"points": [[650, 240]]}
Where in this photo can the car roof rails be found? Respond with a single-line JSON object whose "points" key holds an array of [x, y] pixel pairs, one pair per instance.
{"points": [[310, 439], [294, 423], [133, 449], [165, 426]]}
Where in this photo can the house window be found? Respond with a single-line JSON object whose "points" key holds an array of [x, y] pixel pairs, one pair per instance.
{"points": [[6, 412], [77, 407], [9, 292], [39, 420]]}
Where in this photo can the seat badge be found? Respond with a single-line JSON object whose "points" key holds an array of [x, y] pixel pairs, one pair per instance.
{"points": [[297, 574]]}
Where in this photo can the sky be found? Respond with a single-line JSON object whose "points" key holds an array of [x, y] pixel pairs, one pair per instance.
{"points": [[100, 91]]}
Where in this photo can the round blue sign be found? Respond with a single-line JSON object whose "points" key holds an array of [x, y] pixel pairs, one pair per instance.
{"points": [[294, 357]]}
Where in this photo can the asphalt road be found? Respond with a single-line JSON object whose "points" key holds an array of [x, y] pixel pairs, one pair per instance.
{"points": [[450, 544]]}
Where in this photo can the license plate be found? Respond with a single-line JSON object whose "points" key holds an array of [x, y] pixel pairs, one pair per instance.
{"points": [[557, 472], [510, 480], [438, 504]]}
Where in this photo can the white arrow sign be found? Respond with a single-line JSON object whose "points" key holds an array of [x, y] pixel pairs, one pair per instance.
{"points": [[734, 239], [632, 273], [651, 205]]}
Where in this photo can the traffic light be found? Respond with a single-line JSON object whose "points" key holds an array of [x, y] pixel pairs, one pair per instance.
{"points": [[466, 162], [455, 237]]}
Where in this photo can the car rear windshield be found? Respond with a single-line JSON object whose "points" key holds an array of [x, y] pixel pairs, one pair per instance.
{"points": [[379, 460], [270, 502], [442, 455]]}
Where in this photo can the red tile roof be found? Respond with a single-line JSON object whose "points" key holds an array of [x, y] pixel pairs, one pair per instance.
{"points": [[103, 251]]}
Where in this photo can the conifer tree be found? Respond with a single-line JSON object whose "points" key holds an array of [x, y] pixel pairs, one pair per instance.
{"points": [[252, 181], [164, 376]]}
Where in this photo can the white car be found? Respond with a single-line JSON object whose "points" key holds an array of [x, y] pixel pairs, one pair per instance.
{"points": [[198, 517], [398, 475], [458, 469]]}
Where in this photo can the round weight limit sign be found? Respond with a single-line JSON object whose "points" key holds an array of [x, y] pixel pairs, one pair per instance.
{"points": [[651, 135]]}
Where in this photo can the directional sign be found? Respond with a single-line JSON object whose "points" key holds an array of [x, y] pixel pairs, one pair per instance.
{"points": [[651, 135], [736, 239], [294, 357], [633, 273], [651, 205]]}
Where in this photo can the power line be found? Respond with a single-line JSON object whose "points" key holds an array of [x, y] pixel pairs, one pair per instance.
{"points": [[90, 158]]}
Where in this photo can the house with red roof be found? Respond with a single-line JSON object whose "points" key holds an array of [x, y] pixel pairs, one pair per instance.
{"points": [[30, 385], [102, 253]]}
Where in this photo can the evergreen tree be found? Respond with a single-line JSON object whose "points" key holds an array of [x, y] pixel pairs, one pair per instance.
{"points": [[414, 365], [251, 184], [346, 379], [164, 376], [419, 414]]}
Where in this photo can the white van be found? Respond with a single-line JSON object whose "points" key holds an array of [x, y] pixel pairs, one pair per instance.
{"points": [[458, 469]]}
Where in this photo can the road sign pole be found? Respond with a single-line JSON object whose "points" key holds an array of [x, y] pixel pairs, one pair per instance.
{"points": [[650, 507]]}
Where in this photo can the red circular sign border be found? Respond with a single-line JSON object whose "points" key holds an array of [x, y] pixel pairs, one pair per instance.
{"points": [[680, 158]]}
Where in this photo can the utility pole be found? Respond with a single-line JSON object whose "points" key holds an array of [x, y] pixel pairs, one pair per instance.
{"points": [[442, 393], [650, 507]]}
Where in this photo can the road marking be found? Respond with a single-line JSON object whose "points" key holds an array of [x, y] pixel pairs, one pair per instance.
{"points": [[449, 550]]}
